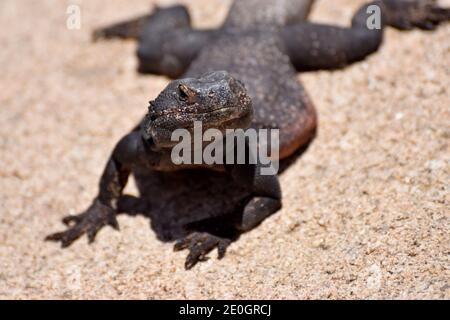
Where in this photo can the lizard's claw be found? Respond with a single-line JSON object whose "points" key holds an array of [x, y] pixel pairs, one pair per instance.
{"points": [[72, 219], [422, 14], [90, 222], [199, 245]]}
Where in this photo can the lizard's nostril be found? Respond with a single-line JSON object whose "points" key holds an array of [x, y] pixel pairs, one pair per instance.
{"points": [[153, 117]]}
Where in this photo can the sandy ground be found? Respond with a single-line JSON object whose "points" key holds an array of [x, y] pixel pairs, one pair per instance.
{"points": [[366, 209]]}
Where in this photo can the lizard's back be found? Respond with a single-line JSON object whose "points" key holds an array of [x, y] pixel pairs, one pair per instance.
{"points": [[250, 49]]}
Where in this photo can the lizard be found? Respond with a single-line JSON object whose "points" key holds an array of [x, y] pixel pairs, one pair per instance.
{"points": [[240, 75]]}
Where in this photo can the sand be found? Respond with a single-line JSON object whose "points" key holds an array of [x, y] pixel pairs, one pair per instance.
{"points": [[366, 208]]}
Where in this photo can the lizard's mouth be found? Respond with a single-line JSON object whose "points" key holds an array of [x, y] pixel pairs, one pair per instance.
{"points": [[161, 131]]}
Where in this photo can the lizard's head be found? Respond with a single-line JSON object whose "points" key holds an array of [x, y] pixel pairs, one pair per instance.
{"points": [[216, 99]]}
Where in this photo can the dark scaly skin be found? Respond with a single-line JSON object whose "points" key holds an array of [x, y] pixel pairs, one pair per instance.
{"points": [[261, 45]]}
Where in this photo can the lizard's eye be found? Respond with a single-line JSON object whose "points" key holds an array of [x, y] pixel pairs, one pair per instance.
{"points": [[183, 93], [186, 93]]}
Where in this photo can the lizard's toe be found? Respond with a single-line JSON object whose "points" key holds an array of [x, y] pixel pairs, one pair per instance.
{"points": [[54, 236], [66, 238], [72, 219], [222, 248], [112, 222], [92, 233]]}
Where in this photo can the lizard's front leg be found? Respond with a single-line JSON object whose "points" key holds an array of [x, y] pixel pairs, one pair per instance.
{"points": [[90, 222], [265, 199], [103, 210]]}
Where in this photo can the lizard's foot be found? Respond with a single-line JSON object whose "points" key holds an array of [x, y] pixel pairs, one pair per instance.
{"points": [[409, 14], [199, 245], [90, 222]]}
